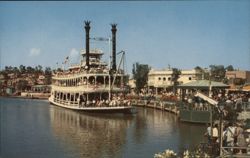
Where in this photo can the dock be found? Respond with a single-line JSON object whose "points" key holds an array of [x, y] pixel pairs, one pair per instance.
{"points": [[171, 107]]}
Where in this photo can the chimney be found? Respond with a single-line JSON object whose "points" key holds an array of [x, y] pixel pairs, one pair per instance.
{"points": [[113, 46], [87, 28]]}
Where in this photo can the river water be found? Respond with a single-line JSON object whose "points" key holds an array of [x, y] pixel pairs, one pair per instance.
{"points": [[36, 129]]}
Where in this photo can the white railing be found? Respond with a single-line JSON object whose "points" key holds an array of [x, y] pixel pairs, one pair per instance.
{"points": [[66, 102]]}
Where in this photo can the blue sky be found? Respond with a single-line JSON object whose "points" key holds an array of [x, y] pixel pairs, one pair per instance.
{"points": [[183, 34]]}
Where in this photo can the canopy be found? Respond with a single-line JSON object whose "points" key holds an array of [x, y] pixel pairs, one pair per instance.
{"points": [[203, 84], [246, 88]]}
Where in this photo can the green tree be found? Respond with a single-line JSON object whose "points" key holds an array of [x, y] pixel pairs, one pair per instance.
{"points": [[202, 74], [59, 69], [217, 73], [48, 74], [140, 74], [38, 69], [22, 69], [230, 68], [8, 69], [16, 71], [22, 85], [174, 78], [30, 69]]}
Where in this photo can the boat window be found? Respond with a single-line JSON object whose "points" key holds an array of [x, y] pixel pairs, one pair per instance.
{"points": [[190, 78], [159, 78], [164, 78], [100, 80], [169, 78]]}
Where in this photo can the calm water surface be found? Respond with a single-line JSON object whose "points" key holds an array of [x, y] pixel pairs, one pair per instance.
{"points": [[36, 129]]}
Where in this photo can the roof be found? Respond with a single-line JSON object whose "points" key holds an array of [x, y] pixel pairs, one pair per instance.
{"points": [[203, 84], [246, 88]]}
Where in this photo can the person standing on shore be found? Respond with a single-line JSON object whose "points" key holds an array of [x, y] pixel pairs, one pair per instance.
{"points": [[230, 132], [208, 133], [215, 140]]}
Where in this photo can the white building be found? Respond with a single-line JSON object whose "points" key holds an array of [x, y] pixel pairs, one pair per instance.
{"points": [[160, 80], [132, 85]]}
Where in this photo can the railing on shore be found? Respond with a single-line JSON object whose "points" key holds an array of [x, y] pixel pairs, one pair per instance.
{"points": [[213, 150], [157, 104], [194, 113], [245, 106], [230, 152]]}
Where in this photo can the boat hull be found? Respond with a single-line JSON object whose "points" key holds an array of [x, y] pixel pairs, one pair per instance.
{"points": [[116, 109]]}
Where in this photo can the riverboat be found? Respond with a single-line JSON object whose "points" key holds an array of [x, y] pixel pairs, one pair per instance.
{"points": [[92, 85]]}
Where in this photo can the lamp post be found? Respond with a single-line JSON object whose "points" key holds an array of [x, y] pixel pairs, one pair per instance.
{"points": [[221, 107], [211, 108]]}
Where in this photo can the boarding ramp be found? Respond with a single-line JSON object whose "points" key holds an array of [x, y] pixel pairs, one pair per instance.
{"points": [[206, 98]]}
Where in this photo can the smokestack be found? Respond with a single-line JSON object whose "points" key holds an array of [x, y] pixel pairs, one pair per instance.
{"points": [[87, 28], [114, 46]]}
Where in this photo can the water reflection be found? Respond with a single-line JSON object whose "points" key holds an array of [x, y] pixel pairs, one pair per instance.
{"points": [[154, 130], [32, 128], [91, 135], [190, 135]]}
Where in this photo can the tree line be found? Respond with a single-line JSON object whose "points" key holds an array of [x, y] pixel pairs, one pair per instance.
{"points": [[22, 72], [29, 70]]}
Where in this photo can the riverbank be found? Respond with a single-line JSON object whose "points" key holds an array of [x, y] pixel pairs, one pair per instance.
{"points": [[26, 97]]}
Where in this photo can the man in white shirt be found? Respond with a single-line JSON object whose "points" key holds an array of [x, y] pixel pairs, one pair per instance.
{"points": [[215, 133]]}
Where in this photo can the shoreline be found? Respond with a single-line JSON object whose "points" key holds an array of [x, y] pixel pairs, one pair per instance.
{"points": [[23, 97]]}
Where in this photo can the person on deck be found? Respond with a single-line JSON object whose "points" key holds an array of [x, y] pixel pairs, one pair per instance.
{"points": [[230, 132]]}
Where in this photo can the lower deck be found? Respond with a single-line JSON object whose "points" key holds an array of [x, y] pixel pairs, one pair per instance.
{"points": [[122, 108]]}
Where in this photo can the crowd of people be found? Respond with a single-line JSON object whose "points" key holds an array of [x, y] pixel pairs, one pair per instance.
{"points": [[116, 101], [232, 97], [235, 139]]}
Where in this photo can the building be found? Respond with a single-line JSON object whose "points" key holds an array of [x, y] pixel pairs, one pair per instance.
{"points": [[41, 79], [160, 80], [2, 80], [238, 78], [10, 90], [132, 85], [41, 88]]}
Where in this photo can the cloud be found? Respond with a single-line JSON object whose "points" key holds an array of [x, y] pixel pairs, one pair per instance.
{"points": [[34, 52], [74, 55]]}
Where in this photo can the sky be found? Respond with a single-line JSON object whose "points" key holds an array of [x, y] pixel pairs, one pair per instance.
{"points": [[182, 34]]}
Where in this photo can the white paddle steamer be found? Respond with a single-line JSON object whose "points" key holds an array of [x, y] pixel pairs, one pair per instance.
{"points": [[92, 85]]}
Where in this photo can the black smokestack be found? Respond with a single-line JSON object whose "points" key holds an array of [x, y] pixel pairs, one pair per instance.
{"points": [[113, 46], [87, 28]]}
